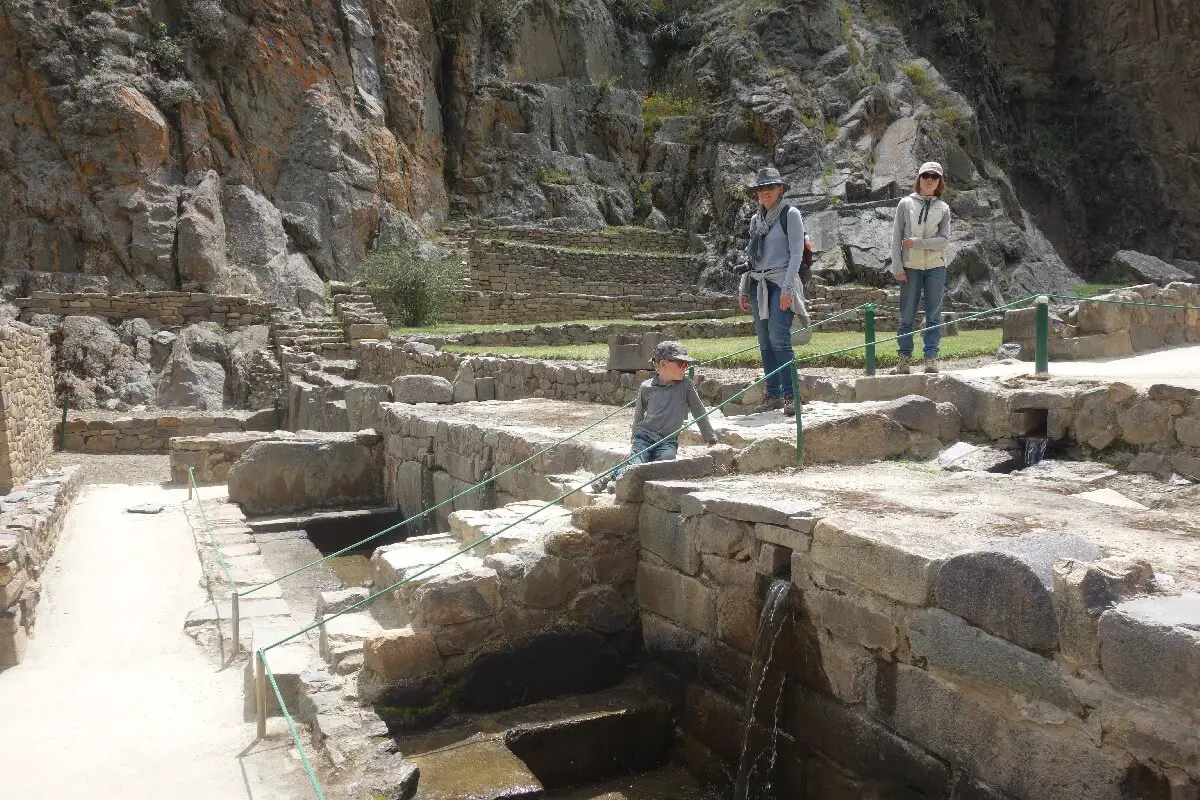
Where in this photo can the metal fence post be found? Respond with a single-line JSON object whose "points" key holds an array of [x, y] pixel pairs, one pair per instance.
{"points": [[869, 336], [62, 431], [1041, 345], [260, 692], [797, 404], [235, 616], [191, 480]]}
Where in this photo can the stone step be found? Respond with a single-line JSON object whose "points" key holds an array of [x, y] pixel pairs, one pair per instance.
{"points": [[341, 640], [550, 745], [396, 562], [469, 526]]}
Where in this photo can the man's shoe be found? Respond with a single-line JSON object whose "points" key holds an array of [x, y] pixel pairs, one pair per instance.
{"points": [[931, 366], [768, 404], [903, 365], [789, 407]]}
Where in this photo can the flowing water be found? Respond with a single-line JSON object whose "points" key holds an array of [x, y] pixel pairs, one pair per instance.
{"points": [[1035, 449], [765, 700]]}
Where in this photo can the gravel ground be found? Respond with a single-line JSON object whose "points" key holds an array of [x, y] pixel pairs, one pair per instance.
{"points": [[107, 468]]}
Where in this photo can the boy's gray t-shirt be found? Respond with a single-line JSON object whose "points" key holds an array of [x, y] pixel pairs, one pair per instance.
{"points": [[662, 407]]}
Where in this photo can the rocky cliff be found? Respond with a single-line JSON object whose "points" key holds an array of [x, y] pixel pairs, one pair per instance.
{"points": [[261, 146]]}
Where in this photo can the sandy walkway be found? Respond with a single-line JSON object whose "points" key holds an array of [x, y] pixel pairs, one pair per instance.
{"points": [[113, 699]]}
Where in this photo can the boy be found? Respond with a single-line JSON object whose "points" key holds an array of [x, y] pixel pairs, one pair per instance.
{"points": [[662, 405]]}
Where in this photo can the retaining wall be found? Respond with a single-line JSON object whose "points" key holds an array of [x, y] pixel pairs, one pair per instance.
{"points": [[1098, 329], [498, 266], [147, 434], [26, 402], [30, 525], [169, 308], [621, 239], [894, 685], [492, 308]]}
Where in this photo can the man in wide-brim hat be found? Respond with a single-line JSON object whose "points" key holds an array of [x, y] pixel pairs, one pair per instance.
{"points": [[770, 288]]}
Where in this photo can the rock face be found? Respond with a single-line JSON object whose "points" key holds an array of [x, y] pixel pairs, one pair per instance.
{"points": [[326, 472], [254, 148], [1100, 141], [139, 362]]}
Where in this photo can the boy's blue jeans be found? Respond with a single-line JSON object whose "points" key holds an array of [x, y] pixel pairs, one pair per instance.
{"points": [[661, 450], [774, 341], [930, 283]]}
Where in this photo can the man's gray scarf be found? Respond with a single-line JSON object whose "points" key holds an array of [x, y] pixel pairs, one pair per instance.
{"points": [[760, 224]]}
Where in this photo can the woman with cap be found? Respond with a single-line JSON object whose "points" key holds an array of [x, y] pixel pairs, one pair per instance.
{"points": [[920, 235], [770, 289]]}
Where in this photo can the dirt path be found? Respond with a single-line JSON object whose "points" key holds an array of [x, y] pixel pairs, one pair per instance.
{"points": [[113, 699]]}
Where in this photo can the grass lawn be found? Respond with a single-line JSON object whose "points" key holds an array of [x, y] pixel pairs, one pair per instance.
{"points": [[1094, 289], [965, 345]]}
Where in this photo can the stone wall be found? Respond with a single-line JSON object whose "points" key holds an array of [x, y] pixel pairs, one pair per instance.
{"points": [[211, 455], [152, 434], [169, 308], [506, 266], [1098, 329], [493, 308], [900, 672], [624, 238], [27, 403], [30, 524]]}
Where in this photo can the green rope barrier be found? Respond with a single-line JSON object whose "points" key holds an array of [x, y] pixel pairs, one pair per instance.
{"points": [[312, 776], [208, 527]]}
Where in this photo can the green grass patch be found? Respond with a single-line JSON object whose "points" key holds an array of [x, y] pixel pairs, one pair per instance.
{"points": [[969, 343], [475, 327], [920, 79], [1095, 289]]}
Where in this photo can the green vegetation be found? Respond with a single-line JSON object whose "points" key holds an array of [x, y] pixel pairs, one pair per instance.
{"points": [[1095, 289], [560, 177], [831, 131], [108, 5], [408, 288], [969, 343], [175, 93], [658, 106], [920, 79], [809, 121], [471, 327]]}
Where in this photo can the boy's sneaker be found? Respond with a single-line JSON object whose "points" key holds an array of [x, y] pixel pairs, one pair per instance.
{"points": [[611, 487], [789, 407], [601, 484], [931, 366], [768, 404], [903, 365]]}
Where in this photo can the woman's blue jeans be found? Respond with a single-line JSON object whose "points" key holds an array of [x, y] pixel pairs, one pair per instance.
{"points": [[930, 283], [774, 340]]}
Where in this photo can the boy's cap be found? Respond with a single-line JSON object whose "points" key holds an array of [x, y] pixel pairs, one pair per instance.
{"points": [[670, 351], [930, 166]]}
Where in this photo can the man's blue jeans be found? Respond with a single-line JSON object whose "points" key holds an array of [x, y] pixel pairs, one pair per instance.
{"points": [[930, 283], [646, 449], [774, 340]]}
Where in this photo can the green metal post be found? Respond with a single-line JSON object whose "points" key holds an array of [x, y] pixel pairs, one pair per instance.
{"points": [[1041, 345], [692, 374], [278, 415], [869, 335], [62, 431], [796, 403]]}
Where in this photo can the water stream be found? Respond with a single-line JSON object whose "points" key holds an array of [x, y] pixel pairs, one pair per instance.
{"points": [[759, 744], [1035, 449]]}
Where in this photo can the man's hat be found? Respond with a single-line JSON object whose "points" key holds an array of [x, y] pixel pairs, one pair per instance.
{"points": [[768, 176], [670, 351]]}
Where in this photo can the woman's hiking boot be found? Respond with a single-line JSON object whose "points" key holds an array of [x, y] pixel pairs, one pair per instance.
{"points": [[931, 365], [789, 407], [903, 365]]}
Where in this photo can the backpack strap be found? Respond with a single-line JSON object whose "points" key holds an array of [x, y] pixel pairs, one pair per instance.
{"points": [[783, 215]]}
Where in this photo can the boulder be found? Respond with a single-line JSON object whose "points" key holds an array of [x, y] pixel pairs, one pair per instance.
{"points": [[916, 413], [1142, 268], [296, 474], [402, 656], [202, 233], [422, 389], [870, 436], [1006, 589], [1159, 631]]}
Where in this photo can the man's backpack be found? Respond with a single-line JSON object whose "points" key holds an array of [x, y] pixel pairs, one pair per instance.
{"points": [[807, 259]]}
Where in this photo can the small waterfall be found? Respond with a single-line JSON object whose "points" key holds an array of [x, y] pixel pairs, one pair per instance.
{"points": [[765, 695], [1035, 449]]}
